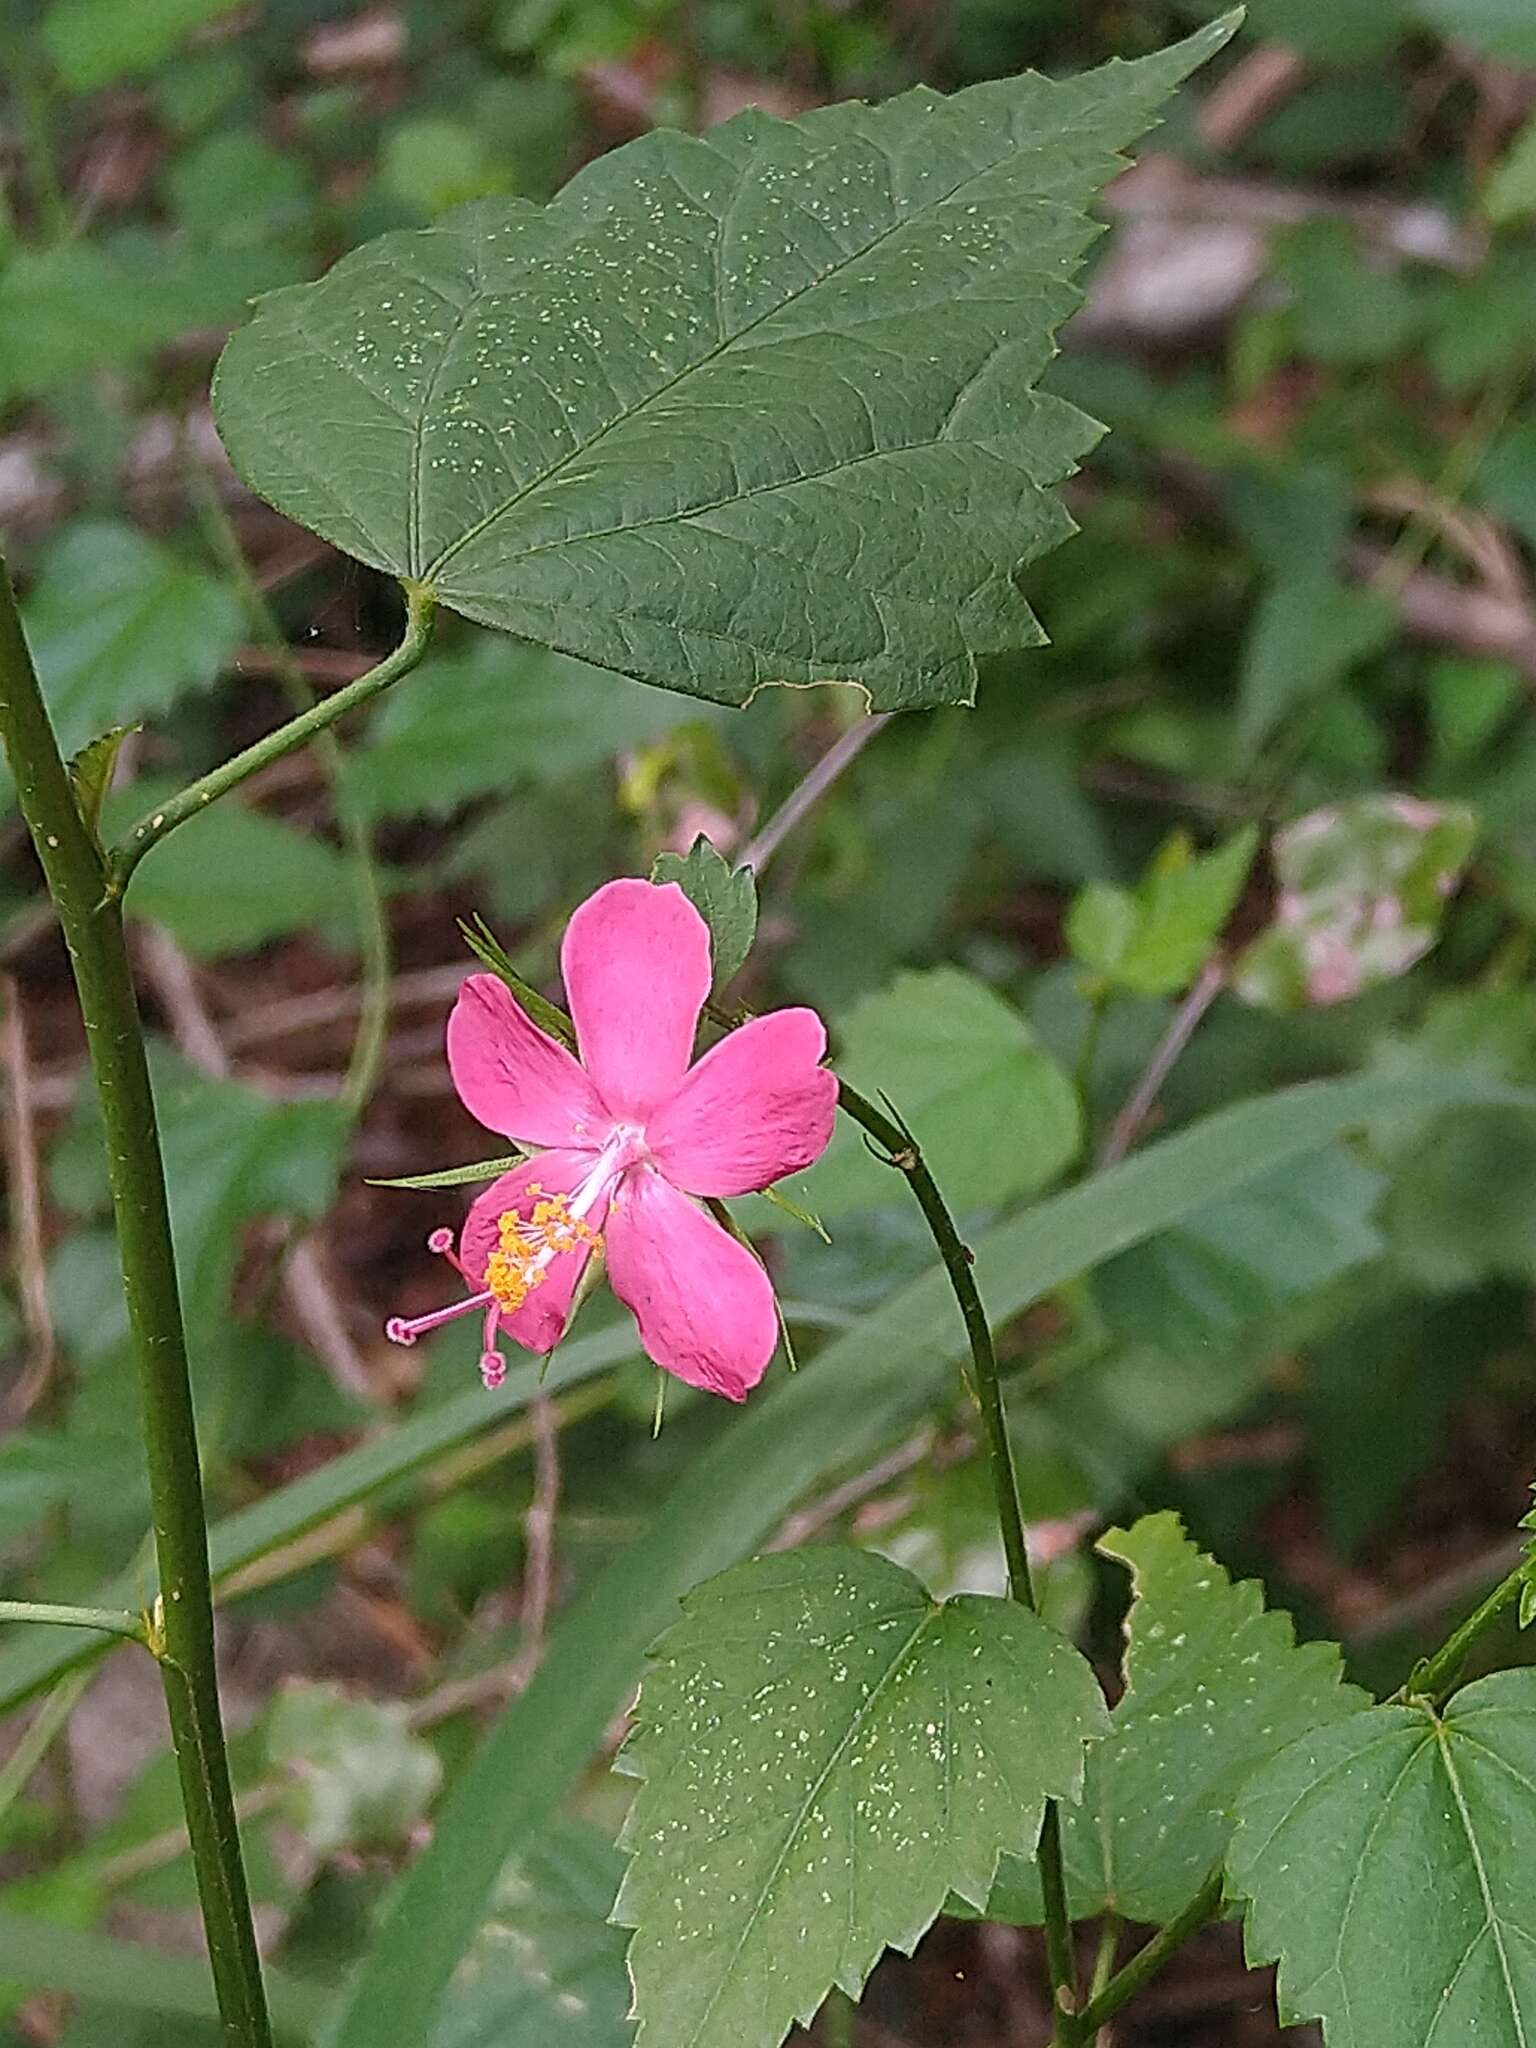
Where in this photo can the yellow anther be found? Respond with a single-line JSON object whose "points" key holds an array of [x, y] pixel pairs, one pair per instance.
{"points": [[527, 1244]]}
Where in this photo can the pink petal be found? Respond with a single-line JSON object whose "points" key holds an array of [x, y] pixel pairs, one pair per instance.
{"points": [[636, 967], [540, 1323], [703, 1303], [514, 1078], [757, 1106]]}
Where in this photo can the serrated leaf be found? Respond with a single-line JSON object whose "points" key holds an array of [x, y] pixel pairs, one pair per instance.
{"points": [[752, 407], [725, 897], [548, 1968], [994, 1113], [1215, 1686], [90, 772], [826, 1753], [456, 1176], [121, 630], [1387, 1865]]}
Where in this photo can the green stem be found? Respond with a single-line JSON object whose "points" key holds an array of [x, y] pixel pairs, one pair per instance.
{"points": [[903, 1151], [110, 1621], [92, 925], [369, 1042], [123, 858], [1143, 1966], [1435, 1676]]}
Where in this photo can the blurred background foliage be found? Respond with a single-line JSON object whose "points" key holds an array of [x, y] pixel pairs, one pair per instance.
{"points": [[1302, 591]]}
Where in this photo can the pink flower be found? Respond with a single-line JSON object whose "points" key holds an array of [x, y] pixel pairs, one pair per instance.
{"points": [[635, 1136]]}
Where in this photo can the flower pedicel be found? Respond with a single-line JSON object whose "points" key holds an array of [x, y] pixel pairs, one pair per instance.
{"points": [[633, 1138]]}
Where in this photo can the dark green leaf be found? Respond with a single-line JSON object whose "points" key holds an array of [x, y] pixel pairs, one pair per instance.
{"points": [[725, 897], [752, 407], [826, 1753], [90, 773], [1387, 1865], [1214, 1687], [1505, 29]]}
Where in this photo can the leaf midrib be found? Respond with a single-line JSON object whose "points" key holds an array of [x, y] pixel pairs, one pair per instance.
{"points": [[472, 533], [1494, 1923], [898, 1662]]}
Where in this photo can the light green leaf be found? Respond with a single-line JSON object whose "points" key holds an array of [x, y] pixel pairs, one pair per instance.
{"points": [[125, 1973], [993, 1112], [356, 1777], [852, 1400], [826, 1752], [232, 878], [121, 630], [1511, 190], [75, 306], [1214, 1687], [1235, 1264], [1153, 939], [497, 716], [1387, 1864], [547, 1970], [94, 42], [725, 897], [456, 1176], [1505, 29], [751, 407], [1362, 892]]}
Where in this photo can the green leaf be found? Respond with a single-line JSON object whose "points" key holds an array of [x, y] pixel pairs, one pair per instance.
{"points": [[547, 1969], [993, 1112], [751, 407], [357, 1778], [1233, 1265], [95, 42], [42, 1953], [121, 630], [1214, 1687], [1152, 940], [456, 1176], [1511, 190], [1362, 892], [232, 878], [859, 1392], [498, 716], [90, 773], [826, 1753], [76, 306], [1309, 633], [1505, 29], [725, 897], [1387, 1865]]}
